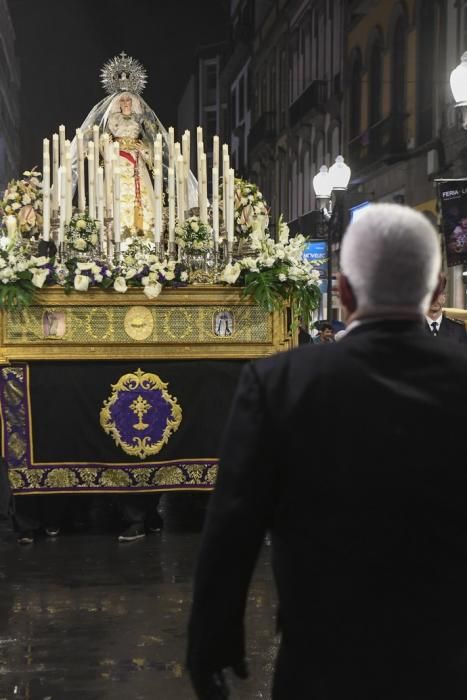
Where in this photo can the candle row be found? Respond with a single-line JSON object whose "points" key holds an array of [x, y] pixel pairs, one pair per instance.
{"points": [[57, 198], [103, 183]]}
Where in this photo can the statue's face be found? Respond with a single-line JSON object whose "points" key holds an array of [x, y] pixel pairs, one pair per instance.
{"points": [[125, 104]]}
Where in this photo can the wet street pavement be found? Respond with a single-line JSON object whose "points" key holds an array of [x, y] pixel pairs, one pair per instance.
{"points": [[84, 617]]}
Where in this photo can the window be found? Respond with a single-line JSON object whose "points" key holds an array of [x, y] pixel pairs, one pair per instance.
{"points": [[425, 67], [356, 96], [399, 55], [283, 87], [241, 99], [210, 83], [233, 107], [375, 84]]}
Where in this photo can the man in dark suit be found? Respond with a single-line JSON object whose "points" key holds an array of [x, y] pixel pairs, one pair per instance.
{"points": [[369, 542], [438, 325]]}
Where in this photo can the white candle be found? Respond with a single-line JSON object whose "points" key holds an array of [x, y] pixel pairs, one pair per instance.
{"points": [[45, 152], [180, 190], [171, 187], [158, 200], [81, 185], [199, 135], [108, 175], [55, 166], [186, 164], [230, 205], [171, 146], [225, 177], [69, 183], [62, 180], [100, 205], [62, 138], [203, 210], [158, 146], [95, 138], [215, 204], [116, 192], [46, 203], [91, 181], [215, 153]]}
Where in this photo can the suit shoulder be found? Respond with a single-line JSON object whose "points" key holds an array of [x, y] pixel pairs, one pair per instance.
{"points": [[457, 321]]}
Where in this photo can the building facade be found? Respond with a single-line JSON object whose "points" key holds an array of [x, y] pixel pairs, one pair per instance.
{"points": [[9, 100], [297, 70], [201, 103]]}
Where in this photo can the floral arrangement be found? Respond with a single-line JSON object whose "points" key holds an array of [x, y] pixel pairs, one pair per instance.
{"points": [[23, 199], [277, 273], [194, 236], [82, 234], [139, 267], [20, 274], [249, 206]]}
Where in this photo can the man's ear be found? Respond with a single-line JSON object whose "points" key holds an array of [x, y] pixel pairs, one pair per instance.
{"points": [[440, 286], [346, 294]]}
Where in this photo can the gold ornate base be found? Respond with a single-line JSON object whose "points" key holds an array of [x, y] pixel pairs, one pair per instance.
{"points": [[195, 322]]}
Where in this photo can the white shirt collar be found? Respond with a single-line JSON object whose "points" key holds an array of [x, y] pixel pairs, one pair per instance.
{"points": [[434, 320]]}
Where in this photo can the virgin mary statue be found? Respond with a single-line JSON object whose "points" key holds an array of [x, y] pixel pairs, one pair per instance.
{"points": [[129, 120]]}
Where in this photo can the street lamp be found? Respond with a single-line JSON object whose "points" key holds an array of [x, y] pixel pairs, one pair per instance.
{"points": [[458, 82], [336, 179]]}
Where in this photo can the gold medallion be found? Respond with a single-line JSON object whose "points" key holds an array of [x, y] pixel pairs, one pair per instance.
{"points": [[138, 323]]}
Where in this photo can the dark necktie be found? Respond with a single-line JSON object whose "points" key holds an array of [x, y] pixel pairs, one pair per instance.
{"points": [[434, 328]]}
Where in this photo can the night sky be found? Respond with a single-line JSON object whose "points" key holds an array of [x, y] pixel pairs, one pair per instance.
{"points": [[62, 45]]}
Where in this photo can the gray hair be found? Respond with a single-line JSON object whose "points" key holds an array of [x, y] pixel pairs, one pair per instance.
{"points": [[391, 257]]}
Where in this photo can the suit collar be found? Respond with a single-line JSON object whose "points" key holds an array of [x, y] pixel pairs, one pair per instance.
{"points": [[388, 325]]}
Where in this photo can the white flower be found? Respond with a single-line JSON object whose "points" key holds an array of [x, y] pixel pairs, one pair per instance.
{"points": [[6, 274], [194, 226], [38, 262], [39, 277], [230, 273], [184, 276], [80, 224], [81, 283], [26, 199], [169, 275], [282, 277], [153, 290], [120, 285], [79, 244], [130, 273], [16, 206], [84, 266], [93, 239], [283, 233]]}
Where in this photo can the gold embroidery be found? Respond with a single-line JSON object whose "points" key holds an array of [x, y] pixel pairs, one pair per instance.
{"points": [[141, 447]]}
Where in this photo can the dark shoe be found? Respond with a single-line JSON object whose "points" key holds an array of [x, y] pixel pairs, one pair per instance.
{"points": [[52, 531], [25, 538], [155, 523], [134, 532]]}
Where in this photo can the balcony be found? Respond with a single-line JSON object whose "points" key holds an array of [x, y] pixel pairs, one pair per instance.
{"points": [[263, 131], [385, 142], [312, 100]]}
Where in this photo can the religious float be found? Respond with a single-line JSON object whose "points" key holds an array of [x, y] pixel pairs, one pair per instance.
{"points": [[131, 294]]}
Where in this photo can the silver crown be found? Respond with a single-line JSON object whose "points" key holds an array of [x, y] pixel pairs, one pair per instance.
{"points": [[123, 73]]}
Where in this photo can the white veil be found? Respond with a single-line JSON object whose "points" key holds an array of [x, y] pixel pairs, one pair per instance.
{"points": [[150, 127]]}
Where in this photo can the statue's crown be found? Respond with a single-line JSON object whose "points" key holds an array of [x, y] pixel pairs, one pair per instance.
{"points": [[123, 73]]}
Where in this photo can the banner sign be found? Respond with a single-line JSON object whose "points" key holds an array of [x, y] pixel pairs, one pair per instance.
{"points": [[453, 197]]}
